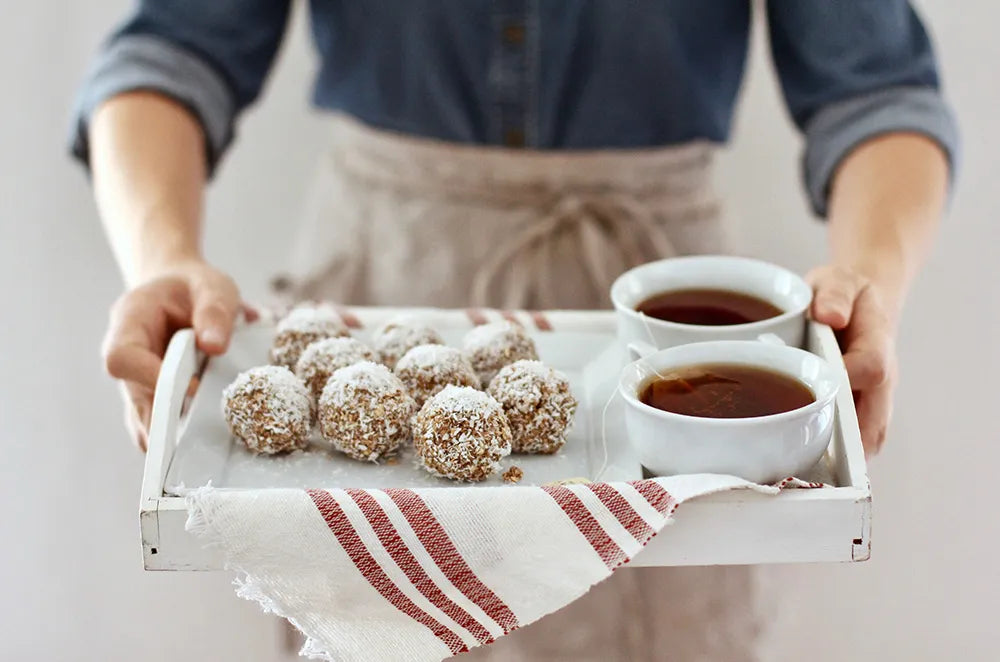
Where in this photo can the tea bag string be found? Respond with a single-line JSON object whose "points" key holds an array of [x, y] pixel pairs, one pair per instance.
{"points": [[649, 371]]}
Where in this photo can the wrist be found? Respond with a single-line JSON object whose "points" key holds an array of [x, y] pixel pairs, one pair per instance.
{"points": [[165, 261]]}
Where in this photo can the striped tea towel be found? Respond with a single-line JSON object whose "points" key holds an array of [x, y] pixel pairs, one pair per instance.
{"points": [[425, 574]]}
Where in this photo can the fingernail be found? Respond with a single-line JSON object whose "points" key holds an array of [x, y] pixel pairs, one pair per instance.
{"points": [[213, 336]]}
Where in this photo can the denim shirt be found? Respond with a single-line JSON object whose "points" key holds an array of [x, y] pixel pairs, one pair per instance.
{"points": [[543, 74]]}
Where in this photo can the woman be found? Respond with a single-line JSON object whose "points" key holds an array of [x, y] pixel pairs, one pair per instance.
{"points": [[523, 154]]}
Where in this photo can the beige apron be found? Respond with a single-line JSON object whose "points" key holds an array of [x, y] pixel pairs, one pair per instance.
{"points": [[402, 221]]}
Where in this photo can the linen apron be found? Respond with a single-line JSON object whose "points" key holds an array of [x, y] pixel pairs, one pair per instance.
{"points": [[395, 220]]}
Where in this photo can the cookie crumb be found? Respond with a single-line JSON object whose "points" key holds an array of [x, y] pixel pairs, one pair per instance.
{"points": [[392, 460], [513, 475]]}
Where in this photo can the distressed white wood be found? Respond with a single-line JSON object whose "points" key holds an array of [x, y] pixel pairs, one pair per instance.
{"points": [[180, 364], [742, 527]]}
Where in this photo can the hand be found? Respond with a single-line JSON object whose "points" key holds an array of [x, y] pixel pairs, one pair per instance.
{"points": [[864, 318], [143, 319]]}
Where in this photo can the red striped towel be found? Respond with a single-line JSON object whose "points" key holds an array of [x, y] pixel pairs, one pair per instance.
{"points": [[403, 574]]}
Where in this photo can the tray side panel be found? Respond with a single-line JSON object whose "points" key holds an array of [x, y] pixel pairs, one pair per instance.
{"points": [[760, 531]]}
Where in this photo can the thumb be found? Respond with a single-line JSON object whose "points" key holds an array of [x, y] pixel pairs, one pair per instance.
{"points": [[834, 292], [215, 302]]}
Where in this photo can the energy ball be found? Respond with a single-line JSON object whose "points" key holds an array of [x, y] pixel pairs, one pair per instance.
{"points": [[462, 434], [427, 369], [492, 346], [538, 404], [300, 328], [269, 409], [365, 411], [324, 357], [401, 334]]}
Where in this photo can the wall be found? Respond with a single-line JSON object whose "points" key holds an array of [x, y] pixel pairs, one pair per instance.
{"points": [[70, 567]]}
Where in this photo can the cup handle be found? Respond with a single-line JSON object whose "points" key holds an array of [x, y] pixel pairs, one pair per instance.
{"points": [[771, 339], [640, 350]]}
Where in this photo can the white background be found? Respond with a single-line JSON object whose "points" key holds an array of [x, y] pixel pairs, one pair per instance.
{"points": [[71, 583]]}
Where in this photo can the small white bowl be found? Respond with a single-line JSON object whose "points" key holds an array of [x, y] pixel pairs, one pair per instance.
{"points": [[762, 449], [777, 285]]}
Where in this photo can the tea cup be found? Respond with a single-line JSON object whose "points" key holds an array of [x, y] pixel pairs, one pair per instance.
{"points": [[642, 334], [762, 449]]}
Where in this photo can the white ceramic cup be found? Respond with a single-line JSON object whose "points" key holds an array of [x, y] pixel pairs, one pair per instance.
{"points": [[762, 449], [642, 334]]}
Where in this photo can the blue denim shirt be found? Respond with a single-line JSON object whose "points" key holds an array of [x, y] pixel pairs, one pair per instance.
{"points": [[544, 74]]}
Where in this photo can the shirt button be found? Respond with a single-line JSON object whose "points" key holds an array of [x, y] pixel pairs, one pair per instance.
{"points": [[513, 138], [513, 33]]}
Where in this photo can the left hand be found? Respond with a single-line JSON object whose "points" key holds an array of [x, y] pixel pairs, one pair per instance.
{"points": [[865, 321]]}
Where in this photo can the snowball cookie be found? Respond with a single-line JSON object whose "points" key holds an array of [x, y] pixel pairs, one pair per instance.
{"points": [[538, 404], [268, 408], [324, 357], [301, 327], [401, 334], [462, 434], [425, 370], [492, 346], [365, 411]]}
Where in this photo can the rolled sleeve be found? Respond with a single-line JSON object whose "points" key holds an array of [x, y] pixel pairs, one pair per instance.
{"points": [[851, 71], [836, 129], [146, 62], [212, 57]]}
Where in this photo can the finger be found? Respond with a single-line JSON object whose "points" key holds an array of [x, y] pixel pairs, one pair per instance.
{"points": [[869, 343], [216, 302], [834, 293], [867, 363], [250, 312], [874, 408], [133, 363], [138, 401], [128, 349]]}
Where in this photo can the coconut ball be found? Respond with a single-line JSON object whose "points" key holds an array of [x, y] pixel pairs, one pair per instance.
{"points": [[462, 434], [269, 409], [492, 346], [427, 369], [300, 328], [324, 357], [538, 404], [401, 334], [365, 411]]}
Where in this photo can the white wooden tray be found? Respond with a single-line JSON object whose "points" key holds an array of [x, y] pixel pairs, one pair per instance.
{"points": [[190, 446]]}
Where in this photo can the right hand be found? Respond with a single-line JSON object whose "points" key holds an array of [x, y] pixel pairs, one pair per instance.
{"points": [[143, 319]]}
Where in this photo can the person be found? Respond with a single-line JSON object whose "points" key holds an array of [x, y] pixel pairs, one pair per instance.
{"points": [[522, 154]]}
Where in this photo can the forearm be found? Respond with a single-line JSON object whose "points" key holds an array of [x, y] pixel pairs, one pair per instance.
{"points": [[148, 165], [886, 200]]}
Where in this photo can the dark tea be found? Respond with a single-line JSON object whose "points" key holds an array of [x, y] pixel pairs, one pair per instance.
{"points": [[708, 307], [725, 390]]}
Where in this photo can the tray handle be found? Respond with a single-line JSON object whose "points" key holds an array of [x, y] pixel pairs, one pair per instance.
{"points": [[180, 364]]}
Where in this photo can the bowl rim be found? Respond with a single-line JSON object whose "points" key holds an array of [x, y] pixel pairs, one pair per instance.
{"points": [[631, 312], [631, 397]]}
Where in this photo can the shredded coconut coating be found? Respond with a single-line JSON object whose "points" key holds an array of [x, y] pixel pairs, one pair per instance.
{"points": [[300, 328], [401, 334], [538, 404], [324, 357], [462, 434], [425, 371], [492, 346], [269, 409], [365, 411], [513, 475]]}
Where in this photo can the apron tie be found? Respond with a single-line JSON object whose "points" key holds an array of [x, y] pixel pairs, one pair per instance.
{"points": [[604, 224]]}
